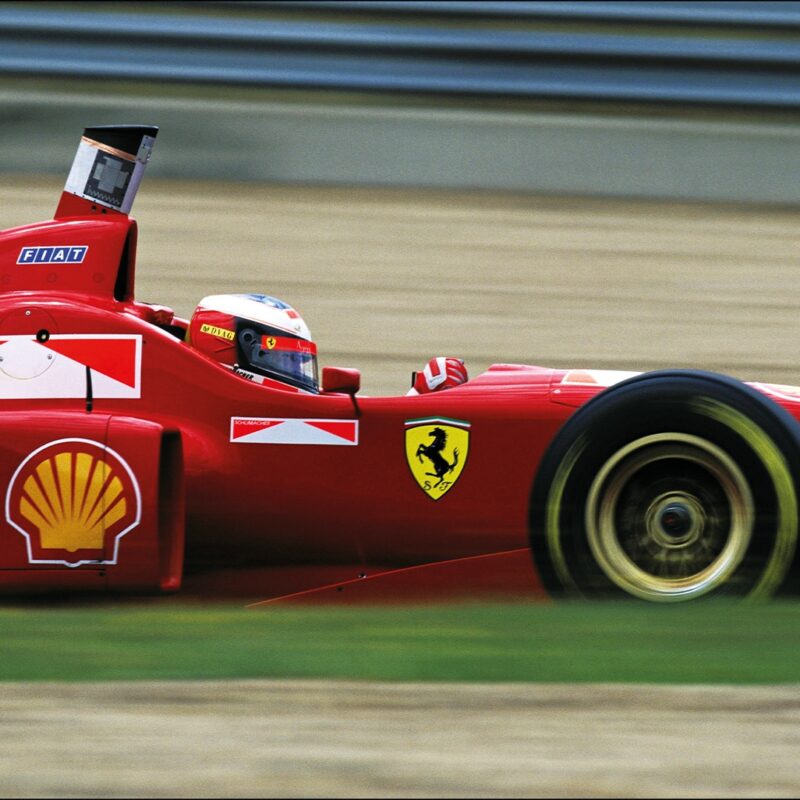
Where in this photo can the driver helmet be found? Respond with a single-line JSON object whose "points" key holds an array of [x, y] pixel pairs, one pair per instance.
{"points": [[256, 335]]}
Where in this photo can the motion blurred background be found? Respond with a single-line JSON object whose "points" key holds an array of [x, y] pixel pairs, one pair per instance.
{"points": [[688, 100], [604, 183]]}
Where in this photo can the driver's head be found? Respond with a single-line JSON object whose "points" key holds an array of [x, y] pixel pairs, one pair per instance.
{"points": [[259, 334]]}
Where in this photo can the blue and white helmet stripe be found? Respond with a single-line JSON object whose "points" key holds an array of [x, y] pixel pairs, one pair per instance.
{"points": [[260, 308]]}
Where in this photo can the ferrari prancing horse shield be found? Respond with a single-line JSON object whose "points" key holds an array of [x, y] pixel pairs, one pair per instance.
{"points": [[436, 451]]}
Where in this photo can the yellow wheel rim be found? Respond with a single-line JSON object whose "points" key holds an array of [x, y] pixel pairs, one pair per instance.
{"points": [[659, 535]]}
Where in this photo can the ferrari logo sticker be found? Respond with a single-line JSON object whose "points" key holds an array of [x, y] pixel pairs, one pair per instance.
{"points": [[436, 451]]}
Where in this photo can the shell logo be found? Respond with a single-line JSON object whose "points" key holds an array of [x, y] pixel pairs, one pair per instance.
{"points": [[73, 500]]}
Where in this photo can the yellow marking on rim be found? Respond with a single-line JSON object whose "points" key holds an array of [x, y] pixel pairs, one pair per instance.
{"points": [[608, 485], [553, 512], [778, 469]]}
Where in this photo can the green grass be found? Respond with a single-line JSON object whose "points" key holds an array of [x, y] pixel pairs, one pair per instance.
{"points": [[711, 642]]}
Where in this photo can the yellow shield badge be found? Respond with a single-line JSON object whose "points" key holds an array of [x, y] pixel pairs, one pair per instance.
{"points": [[436, 451]]}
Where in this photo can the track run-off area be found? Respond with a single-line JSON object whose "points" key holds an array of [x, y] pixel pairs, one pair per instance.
{"points": [[387, 278]]}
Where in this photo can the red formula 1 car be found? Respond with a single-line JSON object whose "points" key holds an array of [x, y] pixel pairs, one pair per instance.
{"points": [[141, 449]]}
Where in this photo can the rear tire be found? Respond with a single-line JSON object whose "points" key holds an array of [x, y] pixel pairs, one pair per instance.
{"points": [[671, 486]]}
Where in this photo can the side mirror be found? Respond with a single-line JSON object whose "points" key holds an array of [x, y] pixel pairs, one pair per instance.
{"points": [[341, 379]]}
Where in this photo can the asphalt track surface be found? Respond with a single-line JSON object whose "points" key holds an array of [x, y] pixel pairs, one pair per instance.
{"points": [[387, 279]]}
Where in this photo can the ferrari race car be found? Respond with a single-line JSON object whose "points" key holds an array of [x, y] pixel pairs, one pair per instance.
{"points": [[142, 450]]}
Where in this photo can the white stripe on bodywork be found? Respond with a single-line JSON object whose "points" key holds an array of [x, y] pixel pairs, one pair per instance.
{"points": [[32, 371], [289, 431]]}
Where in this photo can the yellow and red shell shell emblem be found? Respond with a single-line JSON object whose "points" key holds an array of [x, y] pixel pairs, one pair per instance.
{"points": [[73, 500]]}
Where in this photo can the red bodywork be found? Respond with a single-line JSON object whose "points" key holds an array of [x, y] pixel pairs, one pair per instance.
{"points": [[205, 491]]}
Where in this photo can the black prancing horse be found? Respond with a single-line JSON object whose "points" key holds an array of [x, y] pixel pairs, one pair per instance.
{"points": [[433, 452]]}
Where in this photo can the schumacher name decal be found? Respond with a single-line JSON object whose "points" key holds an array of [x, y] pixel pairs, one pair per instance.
{"points": [[60, 254], [270, 430], [56, 368]]}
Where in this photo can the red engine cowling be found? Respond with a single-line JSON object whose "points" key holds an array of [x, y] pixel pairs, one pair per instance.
{"points": [[92, 502]]}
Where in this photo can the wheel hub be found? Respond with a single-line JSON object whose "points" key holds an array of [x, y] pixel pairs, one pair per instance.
{"points": [[669, 516], [675, 520]]}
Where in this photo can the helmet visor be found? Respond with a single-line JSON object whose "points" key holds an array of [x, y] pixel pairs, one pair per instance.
{"points": [[286, 358]]}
